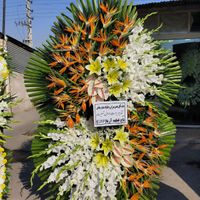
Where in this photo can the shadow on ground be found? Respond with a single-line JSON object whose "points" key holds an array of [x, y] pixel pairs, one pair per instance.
{"points": [[25, 175], [169, 193], [185, 161]]}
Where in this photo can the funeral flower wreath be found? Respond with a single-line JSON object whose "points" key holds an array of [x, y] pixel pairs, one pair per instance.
{"points": [[101, 53], [5, 118]]}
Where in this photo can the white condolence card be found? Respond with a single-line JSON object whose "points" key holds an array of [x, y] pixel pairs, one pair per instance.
{"points": [[110, 113]]}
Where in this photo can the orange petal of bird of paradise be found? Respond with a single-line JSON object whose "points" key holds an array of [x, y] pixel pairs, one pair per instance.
{"points": [[146, 184], [56, 82], [105, 9], [70, 122], [84, 106], [102, 37], [136, 196], [78, 118]]}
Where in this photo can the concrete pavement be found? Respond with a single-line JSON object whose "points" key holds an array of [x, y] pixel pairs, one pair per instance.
{"points": [[181, 179]]}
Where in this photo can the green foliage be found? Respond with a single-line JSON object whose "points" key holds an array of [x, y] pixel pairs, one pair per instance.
{"points": [[189, 94], [35, 80]]}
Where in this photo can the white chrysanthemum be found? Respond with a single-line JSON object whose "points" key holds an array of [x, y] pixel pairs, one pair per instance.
{"points": [[72, 161]]}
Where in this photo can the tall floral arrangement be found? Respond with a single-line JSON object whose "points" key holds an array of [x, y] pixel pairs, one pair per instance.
{"points": [[101, 53], [5, 119]]}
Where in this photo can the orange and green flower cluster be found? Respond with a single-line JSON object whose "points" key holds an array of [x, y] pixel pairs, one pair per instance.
{"points": [[79, 44]]}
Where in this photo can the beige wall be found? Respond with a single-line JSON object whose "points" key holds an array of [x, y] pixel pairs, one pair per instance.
{"points": [[24, 113], [18, 89]]}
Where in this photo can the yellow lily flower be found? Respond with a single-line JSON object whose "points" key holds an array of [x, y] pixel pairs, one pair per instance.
{"points": [[4, 177], [116, 89], [4, 72], [94, 142], [2, 187], [109, 64], [113, 77], [101, 160], [122, 64], [4, 161], [121, 136], [126, 85], [94, 67], [4, 154], [107, 146]]}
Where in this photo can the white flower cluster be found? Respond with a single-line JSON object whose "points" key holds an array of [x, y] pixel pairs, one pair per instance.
{"points": [[133, 76], [73, 167], [3, 109], [143, 65], [2, 171]]}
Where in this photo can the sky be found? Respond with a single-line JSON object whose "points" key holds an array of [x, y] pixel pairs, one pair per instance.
{"points": [[44, 14]]}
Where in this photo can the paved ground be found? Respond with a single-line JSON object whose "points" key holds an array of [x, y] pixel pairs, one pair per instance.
{"points": [[180, 180]]}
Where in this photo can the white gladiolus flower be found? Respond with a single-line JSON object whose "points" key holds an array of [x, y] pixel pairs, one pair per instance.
{"points": [[3, 121], [3, 106], [59, 123], [73, 166], [143, 66]]}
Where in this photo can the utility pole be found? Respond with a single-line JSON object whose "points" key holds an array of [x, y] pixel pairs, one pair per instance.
{"points": [[29, 37], [4, 24]]}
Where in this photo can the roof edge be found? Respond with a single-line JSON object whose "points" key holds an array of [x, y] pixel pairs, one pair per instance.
{"points": [[168, 3], [17, 42]]}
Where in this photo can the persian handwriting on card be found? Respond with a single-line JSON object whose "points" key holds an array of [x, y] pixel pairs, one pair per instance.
{"points": [[110, 113]]}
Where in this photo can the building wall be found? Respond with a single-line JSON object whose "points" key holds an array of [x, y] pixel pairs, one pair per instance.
{"points": [[24, 113], [19, 57], [17, 88], [178, 22]]}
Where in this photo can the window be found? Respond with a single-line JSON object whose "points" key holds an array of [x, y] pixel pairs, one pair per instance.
{"points": [[195, 22], [174, 22]]}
